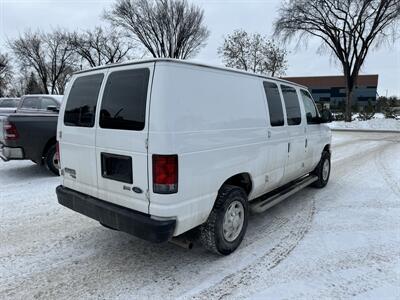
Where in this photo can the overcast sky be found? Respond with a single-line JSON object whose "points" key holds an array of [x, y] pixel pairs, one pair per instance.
{"points": [[221, 16]]}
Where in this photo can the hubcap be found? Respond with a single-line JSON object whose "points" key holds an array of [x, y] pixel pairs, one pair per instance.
{"points": [[325, 170], [233, 221]]}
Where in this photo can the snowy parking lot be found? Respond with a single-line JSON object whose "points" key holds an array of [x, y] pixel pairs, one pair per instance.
{"points": [[338, 242]]}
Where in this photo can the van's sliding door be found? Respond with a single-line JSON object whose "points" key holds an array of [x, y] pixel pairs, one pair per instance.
{"points": [[277, 137], [295, 166]]}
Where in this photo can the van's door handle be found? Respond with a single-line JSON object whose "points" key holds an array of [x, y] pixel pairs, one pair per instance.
{"points": [[306, 143], [288, 147], [269, 134]]}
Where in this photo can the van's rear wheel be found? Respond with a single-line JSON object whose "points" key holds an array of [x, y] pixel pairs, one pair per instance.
{"points": [[51, 161], [227, 223], [323, 170]]}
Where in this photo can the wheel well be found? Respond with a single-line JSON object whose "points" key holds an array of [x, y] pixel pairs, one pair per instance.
{"points": [[327, 148], [49, 143], [242, 180]]}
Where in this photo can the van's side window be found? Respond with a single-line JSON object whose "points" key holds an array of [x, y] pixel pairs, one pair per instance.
{"points": [[309, 107], [274, 104], [82, 100], [124, 101], [292, 105]]}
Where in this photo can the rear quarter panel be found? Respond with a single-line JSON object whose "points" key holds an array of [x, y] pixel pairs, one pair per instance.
{"points": [[216, 122]]}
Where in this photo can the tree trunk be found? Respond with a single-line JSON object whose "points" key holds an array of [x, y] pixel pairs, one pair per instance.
{"points": [[45, 88], [349, 94], [349, 97]]}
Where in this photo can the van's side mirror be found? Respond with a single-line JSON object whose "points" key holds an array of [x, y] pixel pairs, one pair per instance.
{"points": [[52, 108], [326, 116]]}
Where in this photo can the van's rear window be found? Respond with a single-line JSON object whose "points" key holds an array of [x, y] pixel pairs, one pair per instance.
{"points": [[82, 100], [124, 101]]}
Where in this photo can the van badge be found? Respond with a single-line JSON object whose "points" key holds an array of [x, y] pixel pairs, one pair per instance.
{"points": [[137, 190], [70, 172]]}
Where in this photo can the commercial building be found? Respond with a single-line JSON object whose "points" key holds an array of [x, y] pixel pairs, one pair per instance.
{"points": [[331, 90]]}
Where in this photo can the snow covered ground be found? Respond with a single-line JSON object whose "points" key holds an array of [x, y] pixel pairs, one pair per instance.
{"points": [[338, 242], [378, 123]]}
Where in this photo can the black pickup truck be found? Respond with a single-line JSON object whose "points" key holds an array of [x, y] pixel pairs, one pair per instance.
{"points": [[30, 132]]}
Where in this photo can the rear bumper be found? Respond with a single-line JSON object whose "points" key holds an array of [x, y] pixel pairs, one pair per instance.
{"points": [[8, 153], [117, 217]]}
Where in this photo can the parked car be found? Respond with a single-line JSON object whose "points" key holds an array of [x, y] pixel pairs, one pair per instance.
{"points": [[30, 132], [8, 105], [156, 148]]}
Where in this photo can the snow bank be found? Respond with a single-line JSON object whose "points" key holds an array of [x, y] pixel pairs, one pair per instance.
{"points": [[374, 124]]}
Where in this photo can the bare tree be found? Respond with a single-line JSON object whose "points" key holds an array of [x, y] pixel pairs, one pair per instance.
{"points": [[253, 52], [349, 28], [31, 85], [29, 50], [62, 59], [20, 84], [5, 73], [101, 46], [49, 54], [166, 28], [276, 59]]}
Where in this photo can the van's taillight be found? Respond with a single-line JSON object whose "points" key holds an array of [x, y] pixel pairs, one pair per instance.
{"points": [[10, 131], [165, 174], [58, 152]]}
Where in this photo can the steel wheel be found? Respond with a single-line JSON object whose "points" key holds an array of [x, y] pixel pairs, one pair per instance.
{"points": [[233, 221]]}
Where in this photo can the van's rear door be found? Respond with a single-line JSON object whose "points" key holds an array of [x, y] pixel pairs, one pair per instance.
{"points": [[121, 136], [76, 132]]}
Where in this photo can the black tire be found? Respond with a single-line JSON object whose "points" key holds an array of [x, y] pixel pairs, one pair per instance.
{"points": [[49, 161], [321, 182], [211, 232]]}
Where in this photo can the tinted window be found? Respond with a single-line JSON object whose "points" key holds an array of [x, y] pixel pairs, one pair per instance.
{"points": [[274, 104], [292, 105], [46, 101], [31, 103], [81, 103], [309, 107], [124, 100], [116, 167], [8, 103]]}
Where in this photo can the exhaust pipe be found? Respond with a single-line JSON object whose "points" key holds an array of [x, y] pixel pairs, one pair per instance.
{"points": [[182, 242]]}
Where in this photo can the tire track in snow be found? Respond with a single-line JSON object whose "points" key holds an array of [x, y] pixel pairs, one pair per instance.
{"points": [[383, 169], [350, 278], [295, 232], [228, 285]]}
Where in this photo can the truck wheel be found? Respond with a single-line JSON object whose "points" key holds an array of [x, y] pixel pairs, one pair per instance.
{"points": [[323, 170], [227, 223], [51, 161]]}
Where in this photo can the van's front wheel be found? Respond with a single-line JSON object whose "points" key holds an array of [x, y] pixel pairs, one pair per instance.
{"points": [[323, 170], [227, 223]]}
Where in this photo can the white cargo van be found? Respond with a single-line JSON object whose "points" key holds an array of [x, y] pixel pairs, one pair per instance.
{"points": [[158, 147]]}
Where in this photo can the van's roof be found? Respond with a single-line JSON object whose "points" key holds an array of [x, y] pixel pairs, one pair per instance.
{"points": [[193, 63]]}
